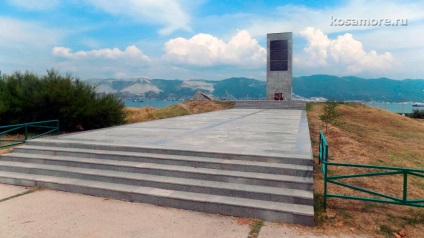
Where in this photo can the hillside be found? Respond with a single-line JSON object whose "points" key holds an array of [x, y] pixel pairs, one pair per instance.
{"points": [[327, 86], [374, 136], [354, 88]]}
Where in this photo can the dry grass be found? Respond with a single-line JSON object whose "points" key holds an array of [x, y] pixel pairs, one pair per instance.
{"points": [[9, 137], [134, 115], [374, 136], [5, 151]]}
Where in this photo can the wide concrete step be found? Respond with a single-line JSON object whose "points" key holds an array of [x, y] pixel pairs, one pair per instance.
{"points": [[262, 179], [180, 160], [180, 184], [286, 158], [270, 104], [270, 211]]}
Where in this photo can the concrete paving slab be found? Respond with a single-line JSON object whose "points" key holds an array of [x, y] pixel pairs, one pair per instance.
{"points": [[264, 132], [10, 190], [277, 230], [48, 213]]}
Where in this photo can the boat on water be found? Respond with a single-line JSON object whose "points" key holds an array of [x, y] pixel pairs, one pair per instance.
{"points": [[418, 105], [135, 100]]}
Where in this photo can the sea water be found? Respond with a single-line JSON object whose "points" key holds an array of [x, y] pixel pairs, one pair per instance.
{"points": [[405, 107]]}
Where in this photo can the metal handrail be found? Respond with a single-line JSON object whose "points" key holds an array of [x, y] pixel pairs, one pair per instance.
{"points": [[323, 159], [41, 124]]}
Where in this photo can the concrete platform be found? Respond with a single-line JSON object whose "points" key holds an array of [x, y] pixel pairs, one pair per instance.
{"points": [[271, 104], [254, 163], [263, 132]]}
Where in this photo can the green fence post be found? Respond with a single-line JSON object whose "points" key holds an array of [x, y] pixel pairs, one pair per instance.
{"points": [[325, 155], [26, 132], [57, 129], [405, 186], [325, 164], [325, 187]]}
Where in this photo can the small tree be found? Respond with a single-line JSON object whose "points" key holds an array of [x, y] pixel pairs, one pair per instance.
{"points": [[330, 114]]}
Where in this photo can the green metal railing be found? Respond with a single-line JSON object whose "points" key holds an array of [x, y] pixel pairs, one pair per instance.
{"points": [[383, 198], [52, 126]]}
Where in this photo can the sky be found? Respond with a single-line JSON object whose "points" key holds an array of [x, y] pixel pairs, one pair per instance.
{"points": [[213, 40]]}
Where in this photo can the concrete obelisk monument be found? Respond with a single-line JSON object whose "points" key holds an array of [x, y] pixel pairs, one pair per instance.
{"points": [[279, 65]]}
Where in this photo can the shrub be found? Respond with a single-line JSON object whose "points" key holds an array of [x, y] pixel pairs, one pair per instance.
{"points": [[416, 113], [27, 97], [330, 115]]}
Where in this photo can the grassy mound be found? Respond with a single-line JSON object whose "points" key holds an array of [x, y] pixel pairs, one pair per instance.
{"points": [[369, 135], [134, 115]]}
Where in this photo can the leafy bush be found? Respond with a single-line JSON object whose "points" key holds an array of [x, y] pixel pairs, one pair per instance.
{"points": [[27, 97], [416, 113]]}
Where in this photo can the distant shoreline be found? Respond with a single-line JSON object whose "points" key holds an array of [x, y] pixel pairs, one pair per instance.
{"points": [[393, 107], [150, 103]]}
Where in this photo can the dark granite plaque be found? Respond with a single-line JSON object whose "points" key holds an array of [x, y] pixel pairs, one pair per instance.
{"points": [[278, 65], [278, 45], [279, 55]]}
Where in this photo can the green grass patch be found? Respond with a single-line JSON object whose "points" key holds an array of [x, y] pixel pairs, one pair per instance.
{"points": [[226, 104], [255, 228], [353, 128], [309, 106], [368, 207], [345, 214], [402, 157], [418, 182], [19, 194], [171, 111], [319, 209], [314, 141], [416, 218], [406, 135], [386, 230]]}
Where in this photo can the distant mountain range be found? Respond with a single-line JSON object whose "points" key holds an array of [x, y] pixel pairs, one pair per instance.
{"points": [[327, 86]]}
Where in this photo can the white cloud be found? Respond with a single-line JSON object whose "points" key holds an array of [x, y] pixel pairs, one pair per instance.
{"points": [[344, 53], [293, 17], [296, 17], [35, 5], [131, 52], [241, 52], [104, 62], [208, 50], [163, 12]]}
